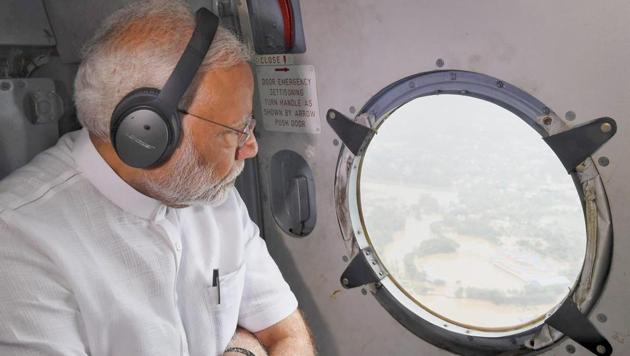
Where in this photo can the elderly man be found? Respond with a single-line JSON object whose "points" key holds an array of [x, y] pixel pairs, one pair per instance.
{"points": [[100, 257]]}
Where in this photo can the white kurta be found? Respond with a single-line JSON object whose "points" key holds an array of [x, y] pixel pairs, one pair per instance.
{"points": [[88, 265]]}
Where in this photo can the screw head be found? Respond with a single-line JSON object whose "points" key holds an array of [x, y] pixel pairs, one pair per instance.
{"points": [[606, 127], [603, 161], [345, 258], [570, 349], [439, 62], [345, 281], [352, 110], [363, 291], [332, 115], [602, 318], [601, 349], [336, 142], [570, 115]]}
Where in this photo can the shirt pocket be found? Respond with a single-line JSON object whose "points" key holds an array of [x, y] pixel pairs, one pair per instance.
{"points": [[223, 302]]}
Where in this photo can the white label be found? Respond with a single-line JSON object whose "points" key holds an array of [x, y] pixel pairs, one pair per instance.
{"points": [[274, 60], [288, 98]]}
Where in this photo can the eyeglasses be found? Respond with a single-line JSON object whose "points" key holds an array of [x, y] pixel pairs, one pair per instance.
{"points": [[243, 134]]}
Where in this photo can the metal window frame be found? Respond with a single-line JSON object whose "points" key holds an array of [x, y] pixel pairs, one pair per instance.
{"points": [[442, 333]]}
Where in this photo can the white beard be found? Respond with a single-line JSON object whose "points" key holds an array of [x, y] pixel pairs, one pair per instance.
{"points": [[191, 183]]}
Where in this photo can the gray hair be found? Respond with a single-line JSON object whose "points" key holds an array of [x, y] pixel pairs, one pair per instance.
{"points": [[138, 46]]}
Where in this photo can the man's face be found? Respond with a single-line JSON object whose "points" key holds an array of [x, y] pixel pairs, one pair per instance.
{"points": [[205, 165]]}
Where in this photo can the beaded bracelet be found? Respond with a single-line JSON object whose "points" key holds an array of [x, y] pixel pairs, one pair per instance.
{"points": [[240, 350]]}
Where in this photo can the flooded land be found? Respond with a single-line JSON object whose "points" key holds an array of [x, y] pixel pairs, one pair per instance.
{"points": [[471, 213]]}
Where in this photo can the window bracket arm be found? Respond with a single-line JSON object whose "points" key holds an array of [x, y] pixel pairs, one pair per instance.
{"points": [[572, 323], [363, 269], [353, 135], [575, 145]]}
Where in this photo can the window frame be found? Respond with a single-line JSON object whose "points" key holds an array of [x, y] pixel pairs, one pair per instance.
{"points": [[421, 322]]}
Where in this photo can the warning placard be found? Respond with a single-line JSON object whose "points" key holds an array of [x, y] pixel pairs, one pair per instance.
{"points": [[288, 98]]}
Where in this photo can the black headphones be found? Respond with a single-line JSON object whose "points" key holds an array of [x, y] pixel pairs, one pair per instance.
{"points": [[145, 126]]}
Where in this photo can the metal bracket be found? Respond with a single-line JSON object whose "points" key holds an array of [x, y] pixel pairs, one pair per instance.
{"points": [[363, 269], [577, 144], [352, 134], [572, 323]]}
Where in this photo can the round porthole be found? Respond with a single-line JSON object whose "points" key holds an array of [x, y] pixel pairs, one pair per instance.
{"points": [[471, 213], [479, 232]]}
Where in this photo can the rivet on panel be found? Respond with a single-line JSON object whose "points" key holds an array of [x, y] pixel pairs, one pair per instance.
{"points": [[601, 349], [345, 258], [570, 349], [345, 281], [570, 115], [336, 142], [603, 161], [606, 127], [363, 291], [332, 115], [602, 318], [352, 109], [439, 62]]}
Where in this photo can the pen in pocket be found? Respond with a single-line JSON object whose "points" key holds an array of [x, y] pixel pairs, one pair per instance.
{"points": [[216, 283]]}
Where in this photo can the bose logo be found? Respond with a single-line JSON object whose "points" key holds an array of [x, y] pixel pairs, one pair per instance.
{"points": [[140, 142]]}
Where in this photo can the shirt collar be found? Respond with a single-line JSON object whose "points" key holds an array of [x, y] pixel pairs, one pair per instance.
{"points": [[102, 176]]}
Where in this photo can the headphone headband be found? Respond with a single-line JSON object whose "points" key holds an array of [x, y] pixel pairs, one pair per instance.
{"points": [[187, 66], [145, 127]]}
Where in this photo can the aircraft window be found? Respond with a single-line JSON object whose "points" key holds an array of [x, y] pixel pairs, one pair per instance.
{"points": [[471, 213]]}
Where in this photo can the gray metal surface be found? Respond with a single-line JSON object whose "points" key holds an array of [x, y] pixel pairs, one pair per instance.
{"points": [[24, 23], [74, 22], [21, 137], [567, 54]]}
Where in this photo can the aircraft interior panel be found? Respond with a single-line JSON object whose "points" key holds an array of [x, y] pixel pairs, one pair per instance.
{"points": [[433, 177], [564, 55]]}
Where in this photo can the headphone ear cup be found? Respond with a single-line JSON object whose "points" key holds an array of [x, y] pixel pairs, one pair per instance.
{"points": [[142, 135]]}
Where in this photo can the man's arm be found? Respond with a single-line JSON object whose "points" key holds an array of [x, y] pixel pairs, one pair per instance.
{"points": [[287, 337]]}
